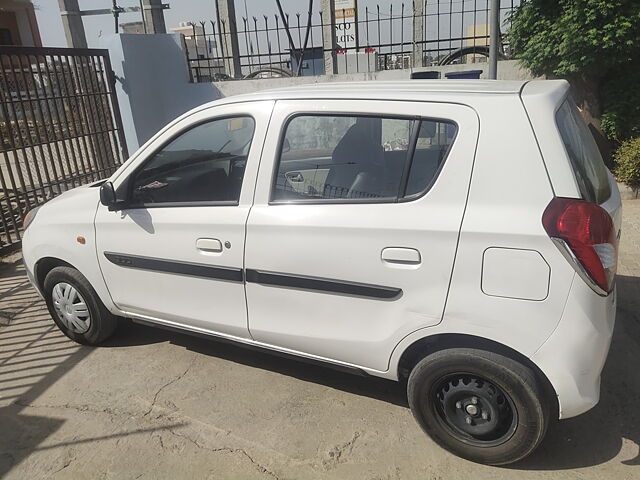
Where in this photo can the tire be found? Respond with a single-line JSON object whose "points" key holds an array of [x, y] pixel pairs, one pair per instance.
{"points": [[479, 405], [87, 326]]}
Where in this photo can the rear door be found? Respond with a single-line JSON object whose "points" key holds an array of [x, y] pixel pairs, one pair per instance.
{"points": [[353, 232]]}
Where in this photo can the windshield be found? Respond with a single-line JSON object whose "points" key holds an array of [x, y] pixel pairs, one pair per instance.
{"points": [[586, 161]]}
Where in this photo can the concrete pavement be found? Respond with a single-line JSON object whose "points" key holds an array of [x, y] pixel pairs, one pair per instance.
{"points": [[153, 404]]}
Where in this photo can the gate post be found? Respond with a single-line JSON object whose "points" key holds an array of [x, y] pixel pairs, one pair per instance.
{"points": [[72, 23], [153, 16], [329, 42], [226, 12], [418, 33]]}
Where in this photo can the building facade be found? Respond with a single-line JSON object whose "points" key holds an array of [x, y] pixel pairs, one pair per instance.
{"points": [[18, 24]]}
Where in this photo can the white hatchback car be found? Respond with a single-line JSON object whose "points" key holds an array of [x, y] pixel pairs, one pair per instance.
{"points": [[459, 235]]}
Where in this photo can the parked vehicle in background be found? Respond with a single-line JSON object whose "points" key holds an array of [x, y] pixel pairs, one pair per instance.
{"points": [[461, 236]]}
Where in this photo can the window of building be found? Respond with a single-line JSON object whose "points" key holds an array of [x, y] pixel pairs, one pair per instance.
{"points": [[5, 37]]}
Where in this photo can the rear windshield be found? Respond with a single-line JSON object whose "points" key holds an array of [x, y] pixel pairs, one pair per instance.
{"points": [[586, 161]]}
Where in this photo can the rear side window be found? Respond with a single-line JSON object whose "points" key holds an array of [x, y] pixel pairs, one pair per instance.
{"points": [[432, 145], [327, 158], [586, 161]]}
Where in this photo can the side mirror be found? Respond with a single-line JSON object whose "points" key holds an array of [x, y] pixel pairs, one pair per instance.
{"points": [[108, 195]]}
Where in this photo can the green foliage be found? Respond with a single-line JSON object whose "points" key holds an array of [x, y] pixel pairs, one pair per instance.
{"points": [[593, 43], [567, 37], [621, 104], [627, 159]]}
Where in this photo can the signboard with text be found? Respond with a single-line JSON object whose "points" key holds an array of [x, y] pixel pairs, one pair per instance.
{"points": [[346, 27]]}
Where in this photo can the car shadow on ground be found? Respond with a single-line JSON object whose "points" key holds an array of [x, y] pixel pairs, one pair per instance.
{"points": [[385, 390], [587, 440]]}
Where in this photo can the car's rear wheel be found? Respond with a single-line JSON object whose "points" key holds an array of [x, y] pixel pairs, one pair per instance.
{"points": [[76, 308], [482, 406]]}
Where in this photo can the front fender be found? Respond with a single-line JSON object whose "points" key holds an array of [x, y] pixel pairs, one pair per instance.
{"points": [[57, 232]]}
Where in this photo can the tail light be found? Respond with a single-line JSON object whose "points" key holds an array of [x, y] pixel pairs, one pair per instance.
{"points": [[586, 232]]}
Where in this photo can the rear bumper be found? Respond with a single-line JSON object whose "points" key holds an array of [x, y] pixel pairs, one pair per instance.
{"points": [[573, 356]]}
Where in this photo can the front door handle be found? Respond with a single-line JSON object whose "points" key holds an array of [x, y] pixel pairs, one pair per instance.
{"points": [[401, 256], [209, 245], [295, 177]]}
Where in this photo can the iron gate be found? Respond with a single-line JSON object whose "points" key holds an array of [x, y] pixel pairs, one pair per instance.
{"points": [[60, 127]]}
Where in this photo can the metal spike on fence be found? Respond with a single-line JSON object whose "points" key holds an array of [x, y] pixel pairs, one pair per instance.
{"points": [[377, 28]]}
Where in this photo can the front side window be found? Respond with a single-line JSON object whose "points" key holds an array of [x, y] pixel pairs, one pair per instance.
{"points": [[204, 164], [359, 158]]}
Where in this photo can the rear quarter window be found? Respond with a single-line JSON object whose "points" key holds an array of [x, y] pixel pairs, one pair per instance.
{"points": [[588, 167]]}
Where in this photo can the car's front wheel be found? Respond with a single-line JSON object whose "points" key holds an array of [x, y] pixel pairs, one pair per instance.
{"points": [[76, 308], [482, 406]]}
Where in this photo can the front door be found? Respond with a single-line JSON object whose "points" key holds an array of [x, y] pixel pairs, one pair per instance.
{"points": [[175, 253], [352, 238]]}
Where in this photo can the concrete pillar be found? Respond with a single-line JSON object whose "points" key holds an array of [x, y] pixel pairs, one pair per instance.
{"points": [[153, 16], [72, 23], [329, 36], [226, 11], [418, 33], [152, 89]]}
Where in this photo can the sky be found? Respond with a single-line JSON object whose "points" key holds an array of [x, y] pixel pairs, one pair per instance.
{"points": [[50, 24]]}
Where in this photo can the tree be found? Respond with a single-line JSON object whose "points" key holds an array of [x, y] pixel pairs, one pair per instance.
{"points": [[594, 44]]}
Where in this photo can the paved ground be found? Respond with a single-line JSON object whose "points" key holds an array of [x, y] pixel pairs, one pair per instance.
{"points": [[151, 404]]}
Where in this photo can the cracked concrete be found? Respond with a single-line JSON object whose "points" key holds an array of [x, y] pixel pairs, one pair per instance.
{"points": [[340, 453], [170, 382], [259, 467], [152, 404]]}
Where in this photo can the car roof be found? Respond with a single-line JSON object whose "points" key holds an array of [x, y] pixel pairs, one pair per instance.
{"points": [[410, 90]]}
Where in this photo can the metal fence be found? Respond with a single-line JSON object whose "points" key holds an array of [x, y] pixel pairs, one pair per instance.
{"points": [[60, 127], [402, 35]]}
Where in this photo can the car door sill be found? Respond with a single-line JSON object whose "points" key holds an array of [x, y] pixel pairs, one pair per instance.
{"points": [[247, 343]]}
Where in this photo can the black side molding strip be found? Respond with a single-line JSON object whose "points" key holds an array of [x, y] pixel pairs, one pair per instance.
{"points": [[177, 267], [253, 276], [322, 284]]}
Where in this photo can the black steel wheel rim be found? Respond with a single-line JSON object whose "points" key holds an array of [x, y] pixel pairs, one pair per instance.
{"points": [[474, 410]]}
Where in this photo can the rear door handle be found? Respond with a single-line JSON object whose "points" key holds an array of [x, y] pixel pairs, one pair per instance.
{"points": [[401, 256], [209, 245]]}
